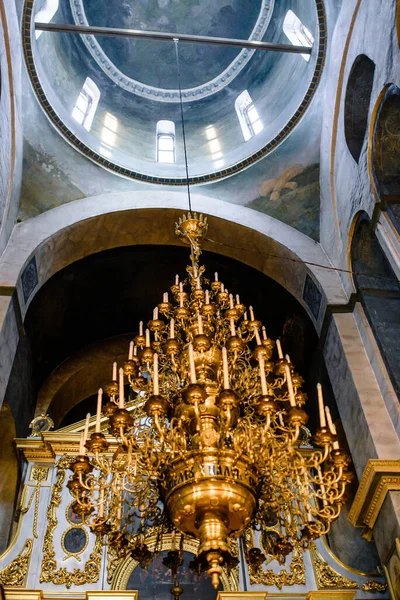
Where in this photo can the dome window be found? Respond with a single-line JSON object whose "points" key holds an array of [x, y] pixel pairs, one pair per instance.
{"points": [[45, 14], [109, 131], [165, 136], [249, 119], [86, 104], [297, 33]]}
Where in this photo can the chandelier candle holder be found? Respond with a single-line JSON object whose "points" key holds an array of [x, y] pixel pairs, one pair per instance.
{"points": [[209, 448]]}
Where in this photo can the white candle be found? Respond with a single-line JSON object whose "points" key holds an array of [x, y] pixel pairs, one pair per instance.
{"points": [[230, 300], [329, 419], [216, 276], [237, 299], [225, 370], [147, 337], [322, 486], [264, 332], [279, 348], [289, 383], [155, 313], [135, 351], [261, 365], [198, 284], [207, 297], [181, 287], [98, 411], [251, 313], [121, 389], [222, 287], [176, 279], [156, 390], [86, 430], [141, 328], [195, 272], [191, 365], [245, 317], [165, 297], [114, 374], [257, 334], [200, 324], [130, 355], [233, 329], [101, 503], [82, 444], [322, 419], [172, 329], [335, 443]]}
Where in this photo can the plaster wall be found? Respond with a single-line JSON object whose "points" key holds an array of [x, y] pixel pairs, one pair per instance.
{"points": [[10, 119], [347, 187]]}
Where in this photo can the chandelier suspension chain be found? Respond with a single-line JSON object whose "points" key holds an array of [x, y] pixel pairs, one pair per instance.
{"points": [[176, 42]]}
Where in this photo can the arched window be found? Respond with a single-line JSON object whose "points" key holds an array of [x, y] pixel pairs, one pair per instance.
{"points": [[249, 119], [356, 105], [297, 33], [86, 104], [214, 146], [45, 14], [165, 142]]}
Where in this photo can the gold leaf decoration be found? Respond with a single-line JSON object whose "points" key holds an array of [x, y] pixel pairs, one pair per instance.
{"points": [[295, 576], [326, 575], [374, 586], [50, 573], [15, 573]]}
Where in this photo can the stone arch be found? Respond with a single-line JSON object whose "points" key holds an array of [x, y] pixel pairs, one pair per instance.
{"points": [[42, 246], [379, 292], [357, 101]]}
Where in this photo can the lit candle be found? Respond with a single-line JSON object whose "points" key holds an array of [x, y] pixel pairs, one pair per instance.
{"points": [[156, 390], [322, 419], [207, 297], [257, 334], [155, 314], [279, 348], [200, 324], [251, 313], [141, 328], [216, 276], [147, 337], [264, 332], [233, 329], [121, 389], [191, 365], [114, 374], [86, 430], [225, 370], [230, 300], [237, 299], [289, 383], [130, 356], [172, 329], [261, 365], [165, 297], [176, 279], [98, 411]]}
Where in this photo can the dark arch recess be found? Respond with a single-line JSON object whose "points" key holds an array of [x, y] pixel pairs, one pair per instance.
{"points": [[357, 101], [386, 146], [380, 296]]}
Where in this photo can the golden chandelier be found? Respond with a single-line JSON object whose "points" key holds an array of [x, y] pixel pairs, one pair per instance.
{"points": [[210, 446]]}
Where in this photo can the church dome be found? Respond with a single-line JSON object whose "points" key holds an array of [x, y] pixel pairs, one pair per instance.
{"points": [[116, 98]]}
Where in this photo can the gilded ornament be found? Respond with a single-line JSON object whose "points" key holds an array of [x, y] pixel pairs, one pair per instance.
{"points": [[326, 575], [15, 573], [374, 586]]}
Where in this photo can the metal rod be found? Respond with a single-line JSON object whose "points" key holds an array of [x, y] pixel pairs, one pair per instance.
{"points": [[170, 37]]}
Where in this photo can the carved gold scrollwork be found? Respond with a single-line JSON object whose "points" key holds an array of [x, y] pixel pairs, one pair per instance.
{"points": [[295, 576], [374, 586], [50, 573], [15, 573], [326, 576]]}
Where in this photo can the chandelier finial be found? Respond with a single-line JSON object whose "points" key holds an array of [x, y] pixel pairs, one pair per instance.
{"points": [[191, 229]]}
